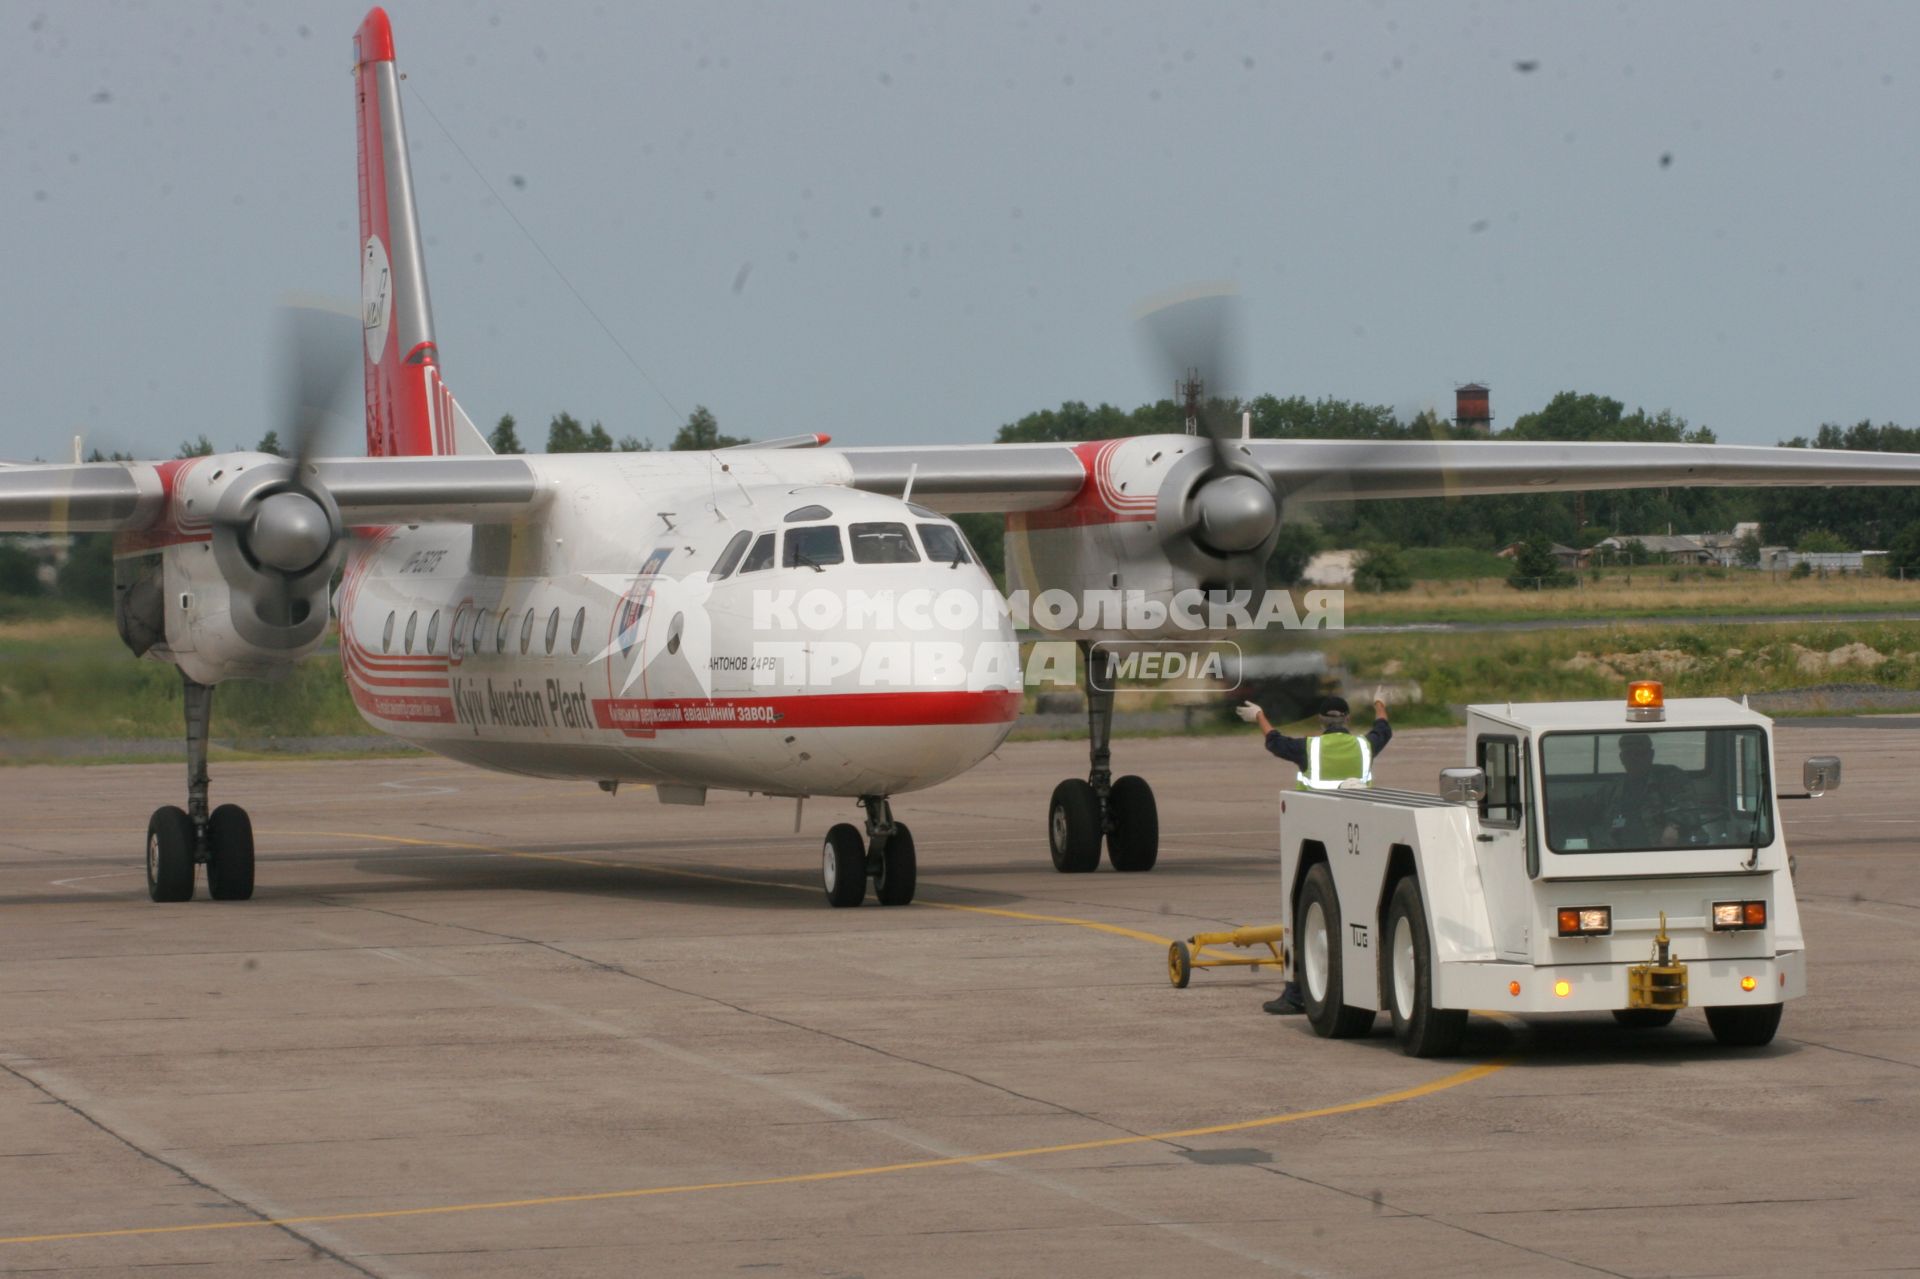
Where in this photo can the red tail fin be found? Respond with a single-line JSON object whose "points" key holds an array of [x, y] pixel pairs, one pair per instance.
{"points": [[409, 409]]}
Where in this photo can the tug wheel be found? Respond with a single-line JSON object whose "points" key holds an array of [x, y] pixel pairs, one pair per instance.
{"points": [[1179, 965]]}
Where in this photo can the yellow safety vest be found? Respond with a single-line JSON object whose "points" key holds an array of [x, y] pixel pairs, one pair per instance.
{"points": [[1336, 761]]}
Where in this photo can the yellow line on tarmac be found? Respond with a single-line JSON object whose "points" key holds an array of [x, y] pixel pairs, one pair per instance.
{"points": [[656, 868], [1454, 1080]]}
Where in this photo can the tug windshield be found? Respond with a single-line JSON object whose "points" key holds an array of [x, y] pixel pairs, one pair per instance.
{"points": [[1641, 790]]}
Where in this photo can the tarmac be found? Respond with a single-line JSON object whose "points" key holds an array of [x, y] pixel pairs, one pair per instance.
{"points": [[480, 1025]]}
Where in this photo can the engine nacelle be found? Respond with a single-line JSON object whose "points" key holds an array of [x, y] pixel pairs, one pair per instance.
{"points": [[1164, 516], [233, 581]]}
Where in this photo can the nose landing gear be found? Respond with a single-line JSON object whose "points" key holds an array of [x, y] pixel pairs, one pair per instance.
{"points": [[1121, 811], [179, 839], [885, 855]]}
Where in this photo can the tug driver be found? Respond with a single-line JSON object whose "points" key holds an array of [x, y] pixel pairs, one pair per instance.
{"points": [[1334, 759]]}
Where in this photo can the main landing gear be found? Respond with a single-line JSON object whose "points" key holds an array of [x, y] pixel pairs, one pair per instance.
{"points": [[180, 839], [1121, 811], [884, 855]]}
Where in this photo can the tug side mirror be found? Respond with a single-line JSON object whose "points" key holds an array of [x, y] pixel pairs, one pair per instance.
{"points": [[1821, 773], [1469, 785]]}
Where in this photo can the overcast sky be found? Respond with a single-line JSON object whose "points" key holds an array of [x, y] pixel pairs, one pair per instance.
{"points": [[915, 221]]}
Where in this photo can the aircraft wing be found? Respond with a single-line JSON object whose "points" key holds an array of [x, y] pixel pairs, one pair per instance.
{"points": [[1031, 477], [125, 496]]}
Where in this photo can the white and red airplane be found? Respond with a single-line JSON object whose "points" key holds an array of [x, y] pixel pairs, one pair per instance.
{"points": [[593, 616]]}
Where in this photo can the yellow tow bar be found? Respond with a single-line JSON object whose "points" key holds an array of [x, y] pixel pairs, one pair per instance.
{"points": [[1185, 956]]}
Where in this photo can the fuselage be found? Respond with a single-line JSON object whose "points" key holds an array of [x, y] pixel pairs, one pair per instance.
{"points": [[734, 620]]}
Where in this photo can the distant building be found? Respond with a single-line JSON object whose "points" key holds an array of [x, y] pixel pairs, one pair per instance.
{"points": [[1670, 548], [1779, 558], [1565, 556], [1331, 568]]}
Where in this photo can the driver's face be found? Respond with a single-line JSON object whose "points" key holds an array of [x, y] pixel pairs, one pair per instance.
{"points": [[1636, 755]]}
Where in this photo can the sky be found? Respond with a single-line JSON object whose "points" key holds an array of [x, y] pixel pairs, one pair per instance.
{"points": [[916, 221]]}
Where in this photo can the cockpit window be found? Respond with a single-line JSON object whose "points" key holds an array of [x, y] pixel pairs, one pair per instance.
{"points": [[809, 513], [761, 556], [736, 547], [882, 544], [944, 544], [813, 547]]}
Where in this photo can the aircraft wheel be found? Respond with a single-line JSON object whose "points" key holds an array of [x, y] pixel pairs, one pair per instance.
{"points": [[1423, 1030], [1744, 1027], [170, 855], [1073, 827], [843, 865], [894, 884], [1134, 842], [1643, 1018], [1317, 930], [229, 854]]}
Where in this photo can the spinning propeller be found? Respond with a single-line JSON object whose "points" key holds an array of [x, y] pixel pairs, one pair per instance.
{"points": [[1217, 513]]}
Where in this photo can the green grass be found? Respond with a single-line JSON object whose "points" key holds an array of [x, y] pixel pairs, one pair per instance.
{"points": [[1452, 563], [1701, 660], [71, 677]]}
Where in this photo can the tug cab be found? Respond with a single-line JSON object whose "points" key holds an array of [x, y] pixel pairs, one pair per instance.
{"points": [[1585, 856]]}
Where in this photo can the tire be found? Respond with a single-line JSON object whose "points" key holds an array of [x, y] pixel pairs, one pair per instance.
{"points": [[1134, 842], [229, 854], [1317, 957], [843, 866], [894, 884], [1747, 1026], [1179, 965], [1423, 1030], [1643, 1018], [1073, 828], [170, 855]]}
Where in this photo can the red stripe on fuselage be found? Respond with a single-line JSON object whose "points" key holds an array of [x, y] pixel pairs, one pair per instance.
{"points": [[642, 717]]}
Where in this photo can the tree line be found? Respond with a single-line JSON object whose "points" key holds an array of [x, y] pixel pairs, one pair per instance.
{"points": [[1806, 519]]}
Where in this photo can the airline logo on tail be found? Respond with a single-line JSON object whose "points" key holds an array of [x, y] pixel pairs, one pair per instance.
{"points": [[376, 296]]}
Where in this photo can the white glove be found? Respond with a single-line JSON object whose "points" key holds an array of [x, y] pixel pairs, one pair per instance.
{"points": [[1248, 712], [1380, 693]]}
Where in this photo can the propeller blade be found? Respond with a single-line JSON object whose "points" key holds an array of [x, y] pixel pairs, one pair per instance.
{"points": [[320, 347]]}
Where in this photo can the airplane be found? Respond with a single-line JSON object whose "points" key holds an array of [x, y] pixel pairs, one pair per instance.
{"points": [[603, 616]]}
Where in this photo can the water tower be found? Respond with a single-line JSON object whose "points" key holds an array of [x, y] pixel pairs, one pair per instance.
{"points": [[1471, 408]]}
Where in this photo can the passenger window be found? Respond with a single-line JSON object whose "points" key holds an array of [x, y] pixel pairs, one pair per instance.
{"points": [[882, 544], [526, 633], [761, 556], [386, 636], [456, 633], [500, 632], [433, 629], [479, 630], [413, 620], [1499, 757], [579, 628], [553, 630], [808, 513], [813, 547], [736, 547], [943, 544]]}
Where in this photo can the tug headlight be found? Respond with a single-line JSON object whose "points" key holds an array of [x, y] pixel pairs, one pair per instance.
{"points": [[1733, 916], [1585, 921]]}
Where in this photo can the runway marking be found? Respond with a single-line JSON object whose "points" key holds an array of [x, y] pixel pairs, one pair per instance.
{"points": [[1458, 1078], [1028, 916], [1455, 1080]]}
